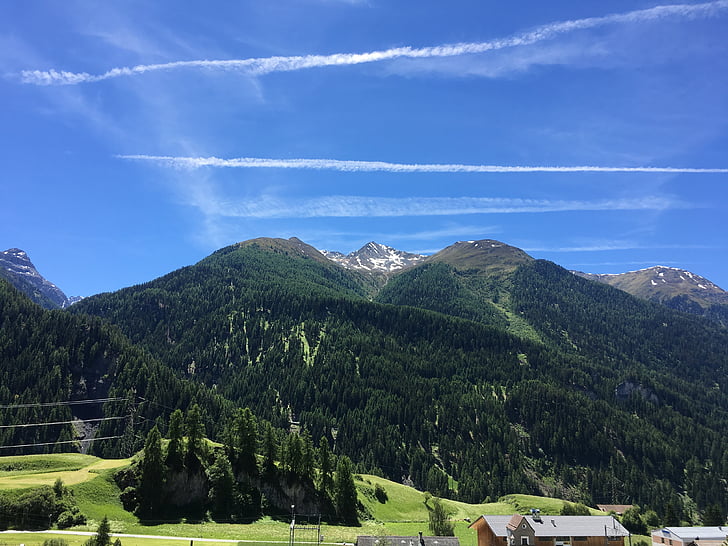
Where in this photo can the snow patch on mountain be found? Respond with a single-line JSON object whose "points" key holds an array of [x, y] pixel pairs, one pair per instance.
{"points": [[375, 257]]}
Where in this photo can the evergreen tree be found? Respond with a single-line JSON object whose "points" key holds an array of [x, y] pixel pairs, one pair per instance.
{"points": [[270, 450], [672, 519], [243, 441], [152, 474], [345, 498], [102, 536], [222, 486], [326, 466], [195, 431], [308, 455], [176, 432], [713, 516]]}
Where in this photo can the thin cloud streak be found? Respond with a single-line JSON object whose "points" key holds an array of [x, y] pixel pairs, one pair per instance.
{"points": [[338, 206], [383, 166], [267, 65], [606, 247]]}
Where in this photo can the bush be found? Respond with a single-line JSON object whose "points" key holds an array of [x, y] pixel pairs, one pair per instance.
{"points": [[632, 520], [55, 542], [380, 493], [71, 517]]}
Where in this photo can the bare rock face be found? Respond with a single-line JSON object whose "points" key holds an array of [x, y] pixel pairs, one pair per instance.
{"points": [[18, 270]]}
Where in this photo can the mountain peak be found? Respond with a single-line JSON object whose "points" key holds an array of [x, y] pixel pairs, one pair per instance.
{"points": [[18, 270], [487, 255], [375, 257], [662, 283]]}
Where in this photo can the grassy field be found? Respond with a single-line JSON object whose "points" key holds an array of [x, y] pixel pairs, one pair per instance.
{"points": [[405, 511], [34, 470]]}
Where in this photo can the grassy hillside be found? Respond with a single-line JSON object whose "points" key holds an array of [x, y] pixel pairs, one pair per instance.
{"points": [[72, 468], [405, 510]]}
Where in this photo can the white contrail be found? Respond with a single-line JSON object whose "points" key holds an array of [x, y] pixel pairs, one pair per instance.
{"points": [[267, 65], [371, 166], [342, 206]]}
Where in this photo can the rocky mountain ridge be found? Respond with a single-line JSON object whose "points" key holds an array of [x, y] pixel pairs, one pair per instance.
{"points": [[16, 268], [674, 287], [375, 257]]}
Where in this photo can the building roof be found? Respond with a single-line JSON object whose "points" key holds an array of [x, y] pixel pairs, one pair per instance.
{"points": [[552, 526], [693, 533], [365, 540]]}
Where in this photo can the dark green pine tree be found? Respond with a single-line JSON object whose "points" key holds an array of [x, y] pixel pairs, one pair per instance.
{"points": [[270, 450], [713, 516], [326, 466], [102, 536], [222, 486], [195, 432], [152, 474], [243, 441], [308, 455], [345, 498], [175, 453]]}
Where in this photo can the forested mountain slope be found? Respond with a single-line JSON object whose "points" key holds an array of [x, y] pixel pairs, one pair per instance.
{"points": [[50, 357], [506, 373]]}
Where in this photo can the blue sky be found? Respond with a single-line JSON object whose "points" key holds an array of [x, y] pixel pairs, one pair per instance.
{"points": [[138, 137]]}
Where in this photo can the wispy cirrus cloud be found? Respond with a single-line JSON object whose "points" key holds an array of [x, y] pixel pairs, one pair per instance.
{"points": [[267, 65], [345, 206], [384, 166], [608, 246]]}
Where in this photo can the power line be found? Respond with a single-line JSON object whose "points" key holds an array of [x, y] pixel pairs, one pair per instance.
{"points": [[68, 403], [65, 422], [63, 442]]}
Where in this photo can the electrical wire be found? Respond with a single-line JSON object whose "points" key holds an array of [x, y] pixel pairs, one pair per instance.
{"points": [[65, 422], [63, 442], [67, 403]]}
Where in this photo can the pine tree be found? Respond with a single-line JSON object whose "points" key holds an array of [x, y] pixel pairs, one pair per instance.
{"points": [[326, 466], [713, 516], [176, 439], [195, 431], [345, 492], [152, 474], [102, 536], [222, 486], [243, 441], [270, 450]]}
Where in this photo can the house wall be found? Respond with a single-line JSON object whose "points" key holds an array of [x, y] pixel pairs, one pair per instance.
{"points": [[486, 536], [523, 532]]}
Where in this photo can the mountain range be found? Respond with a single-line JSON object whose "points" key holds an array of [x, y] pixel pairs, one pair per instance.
{"points": [[676, 288], [472, 373]]}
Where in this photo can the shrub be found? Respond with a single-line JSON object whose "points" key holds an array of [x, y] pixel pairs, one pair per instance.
{"points": [[380, 493]]}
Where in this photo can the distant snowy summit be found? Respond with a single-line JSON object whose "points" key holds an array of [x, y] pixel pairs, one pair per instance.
{"points": [[18, 270], [375, 257], [676, 288], [660, 282]]}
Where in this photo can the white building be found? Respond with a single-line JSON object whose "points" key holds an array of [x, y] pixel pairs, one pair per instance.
{"points": [[685, 536]]}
